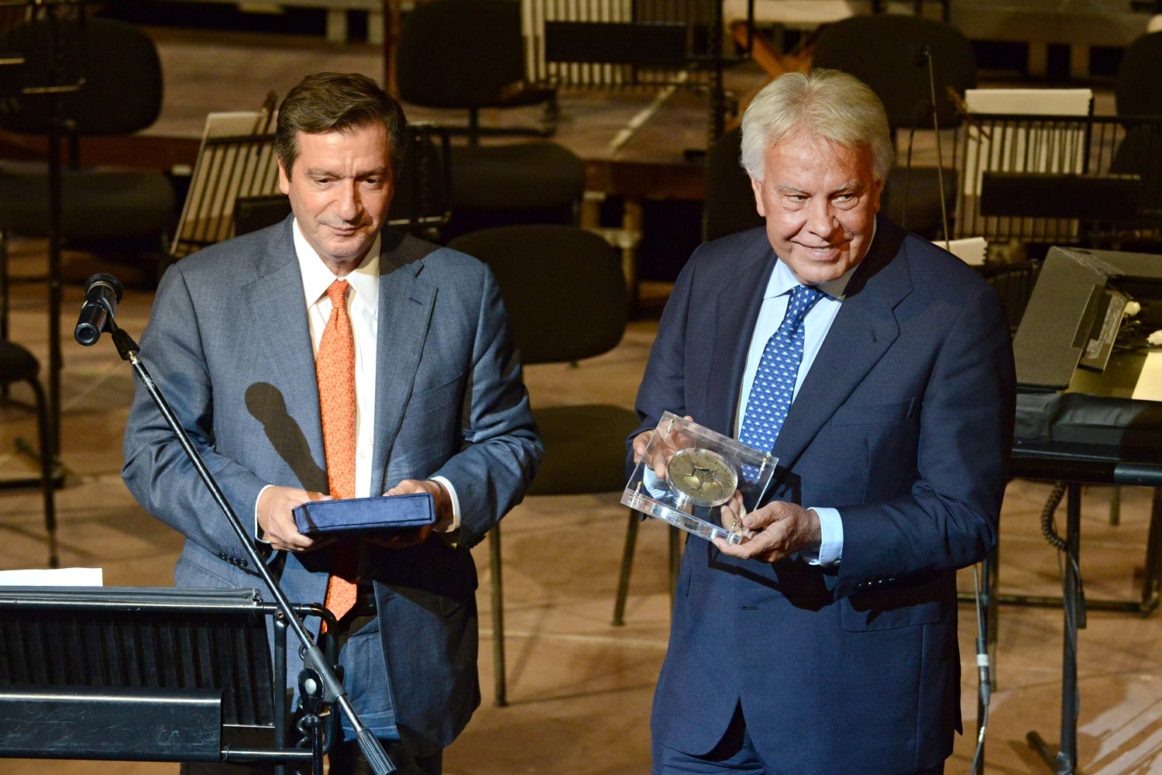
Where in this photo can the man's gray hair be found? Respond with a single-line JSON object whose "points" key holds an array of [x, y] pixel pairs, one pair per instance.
{"points": [[826, 104]]}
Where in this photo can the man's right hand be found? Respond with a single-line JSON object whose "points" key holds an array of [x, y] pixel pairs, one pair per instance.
{"points": [[278, 524], [659, 459]]}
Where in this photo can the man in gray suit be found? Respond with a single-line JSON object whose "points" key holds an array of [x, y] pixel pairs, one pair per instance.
{"points": [[439, 407]]}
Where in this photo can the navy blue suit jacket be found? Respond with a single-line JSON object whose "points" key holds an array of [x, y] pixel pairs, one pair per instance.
{"points": [[904, 424]]}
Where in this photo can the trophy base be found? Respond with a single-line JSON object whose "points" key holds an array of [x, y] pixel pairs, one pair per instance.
{"points": [[640, 501]]}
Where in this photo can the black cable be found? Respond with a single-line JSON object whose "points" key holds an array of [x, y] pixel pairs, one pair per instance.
{"points": [[1047, 528]]}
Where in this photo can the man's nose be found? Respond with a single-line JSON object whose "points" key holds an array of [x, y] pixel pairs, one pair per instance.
{"points": [[349, 203], [821, 216]]}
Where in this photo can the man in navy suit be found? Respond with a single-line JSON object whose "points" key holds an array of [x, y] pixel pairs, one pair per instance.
{"points": [[827, 642], [439, 407]]}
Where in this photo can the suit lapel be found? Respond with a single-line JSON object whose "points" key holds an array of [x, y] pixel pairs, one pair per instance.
{"points": [[406, 302], [275, 304], [863, 330]]}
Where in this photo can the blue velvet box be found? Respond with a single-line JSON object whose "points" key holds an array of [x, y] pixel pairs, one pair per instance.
{"points": [[359, 516]]}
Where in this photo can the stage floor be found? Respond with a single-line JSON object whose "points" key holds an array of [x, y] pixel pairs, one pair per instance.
{"points": [[579, 688]]}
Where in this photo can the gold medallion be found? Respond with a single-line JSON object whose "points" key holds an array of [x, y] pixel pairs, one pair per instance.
{"points": [[703, 477]]}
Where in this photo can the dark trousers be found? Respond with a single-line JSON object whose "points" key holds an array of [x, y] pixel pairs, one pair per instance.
{"points": [[734, 754]]}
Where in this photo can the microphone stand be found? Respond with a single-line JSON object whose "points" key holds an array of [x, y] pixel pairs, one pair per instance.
{"points": [[313, 658]]}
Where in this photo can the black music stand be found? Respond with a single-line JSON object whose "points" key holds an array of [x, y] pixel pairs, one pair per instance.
{"points": [[62, 70], [1077, 465], [153, 674]]}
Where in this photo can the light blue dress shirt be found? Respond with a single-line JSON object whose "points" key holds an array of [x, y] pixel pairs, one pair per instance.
{"points": [[815, 327]]}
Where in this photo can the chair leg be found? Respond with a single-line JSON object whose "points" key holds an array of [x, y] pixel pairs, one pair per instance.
{"points": [[626, 566], [675, 560], [497, 616], [46, 472]]}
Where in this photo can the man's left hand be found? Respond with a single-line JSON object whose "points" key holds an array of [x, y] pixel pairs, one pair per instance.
{"points": [[779, 529], [418, 535]]}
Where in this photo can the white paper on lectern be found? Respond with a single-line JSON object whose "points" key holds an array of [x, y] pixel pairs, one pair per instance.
{"points": [[53, 577]]}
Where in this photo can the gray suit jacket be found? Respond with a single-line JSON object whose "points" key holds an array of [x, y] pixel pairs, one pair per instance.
{"points": [[229, 345]]}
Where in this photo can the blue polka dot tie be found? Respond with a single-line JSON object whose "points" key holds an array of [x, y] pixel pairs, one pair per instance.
{"points": [[774, 382]]}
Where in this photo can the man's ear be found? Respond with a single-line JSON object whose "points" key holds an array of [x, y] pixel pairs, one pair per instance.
{"points": [[877, 194], [757, 187], [283, 178]]}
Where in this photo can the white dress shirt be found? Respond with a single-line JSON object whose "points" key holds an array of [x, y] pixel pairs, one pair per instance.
{"points": [[363, 310]]}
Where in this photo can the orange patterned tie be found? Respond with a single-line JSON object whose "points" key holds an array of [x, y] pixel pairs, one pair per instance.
{"points": [[335, 371]]}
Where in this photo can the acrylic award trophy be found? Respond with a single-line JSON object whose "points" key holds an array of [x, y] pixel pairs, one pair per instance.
{"points": [[688, 472]]}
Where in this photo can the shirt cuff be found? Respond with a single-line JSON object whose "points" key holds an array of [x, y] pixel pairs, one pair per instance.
{"points": [[831, 541], [259, 535], [454, 500]]}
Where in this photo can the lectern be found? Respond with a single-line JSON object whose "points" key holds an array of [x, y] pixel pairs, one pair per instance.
{"points": [[154, 674]]}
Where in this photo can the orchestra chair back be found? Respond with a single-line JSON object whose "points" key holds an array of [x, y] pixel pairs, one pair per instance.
{"points": [[1136, 91], [891, 53], [469, 55], [729, 204], [567, 300], [1139, 106], [120, 92]]}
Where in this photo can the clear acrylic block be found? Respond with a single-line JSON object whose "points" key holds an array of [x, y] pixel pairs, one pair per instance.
{"points": [[689, 471]]}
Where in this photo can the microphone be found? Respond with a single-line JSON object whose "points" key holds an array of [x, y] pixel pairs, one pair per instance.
{"points": [[920, 55], [102, 292], [922, 58]]}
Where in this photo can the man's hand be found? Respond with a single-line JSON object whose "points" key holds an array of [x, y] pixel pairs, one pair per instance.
{"points": [[278, 524], [779, 529], [660, 459], [418, 535]]}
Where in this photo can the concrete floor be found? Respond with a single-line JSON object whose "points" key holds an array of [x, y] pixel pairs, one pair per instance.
{"points": [[579, 688]]}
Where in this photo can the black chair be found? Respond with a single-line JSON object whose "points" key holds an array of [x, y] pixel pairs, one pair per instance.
{"points": [[120, 93], [469, 55], [18, 365], [1136, 91], [888, 52], [729, 204], [1139, 106], [567, 300]]}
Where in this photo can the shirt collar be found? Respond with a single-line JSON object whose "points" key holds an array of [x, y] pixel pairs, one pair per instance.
{"points": [[317, 277]]}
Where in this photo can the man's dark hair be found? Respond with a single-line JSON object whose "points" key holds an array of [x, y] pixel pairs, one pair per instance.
{"points": [[337, 102]]}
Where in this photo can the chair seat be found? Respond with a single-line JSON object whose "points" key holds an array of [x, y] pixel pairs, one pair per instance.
{"points": [[585, 448], [16, 364], [96, 204], [516, 176]]}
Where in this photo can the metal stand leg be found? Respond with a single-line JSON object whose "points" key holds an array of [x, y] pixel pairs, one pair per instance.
{"points": [[675, 562], [1064, 761], [46, 473], [1152, 573], [631, 529], [497, 616]]}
